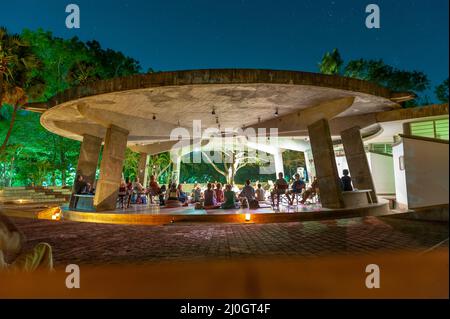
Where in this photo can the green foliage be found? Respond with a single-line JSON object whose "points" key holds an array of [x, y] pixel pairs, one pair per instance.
{"points": [[377, 71], [130, 164], [34, 155], [441, 92], [331, 63]]}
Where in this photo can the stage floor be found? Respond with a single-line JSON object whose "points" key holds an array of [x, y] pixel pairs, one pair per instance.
{"points": [[153, 209], [155, 215]]}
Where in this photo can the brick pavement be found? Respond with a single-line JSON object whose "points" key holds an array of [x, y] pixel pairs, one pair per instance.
{"points": [[87, 243]]}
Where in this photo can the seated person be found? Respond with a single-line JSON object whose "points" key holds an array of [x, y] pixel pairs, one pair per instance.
{"points": [[219, 193], [172, 196], [248, 194], [210, 196], [310, 191], [280, 188], [138, 190], [11, 254], [154, 189], [196, 194], [162, 194], [137, 186], [260, 194], [123, 194], [80, 187], [230, 198], [297, 186], [182, 196], [346, 181]]}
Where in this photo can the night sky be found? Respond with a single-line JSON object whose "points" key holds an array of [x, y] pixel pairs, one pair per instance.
{"points": [[293, 35]]}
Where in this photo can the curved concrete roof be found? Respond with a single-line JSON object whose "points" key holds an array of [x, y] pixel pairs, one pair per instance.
{"points": [[239, 98]]}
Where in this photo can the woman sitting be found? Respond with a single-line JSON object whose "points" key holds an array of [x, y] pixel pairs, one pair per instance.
{"points": [[210, 196], [219, 193], [182, 196], [172, 196], [123, 194], [230, 198], [196, 194]]}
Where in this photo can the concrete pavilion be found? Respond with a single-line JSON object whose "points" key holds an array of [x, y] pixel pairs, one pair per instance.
{"points": [[312, 112]]}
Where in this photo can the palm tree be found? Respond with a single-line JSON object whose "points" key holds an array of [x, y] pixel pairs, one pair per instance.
{"points": [[18, 79]]}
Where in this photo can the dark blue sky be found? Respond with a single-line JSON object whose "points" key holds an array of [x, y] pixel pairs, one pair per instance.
{"points": [[189, 34]]}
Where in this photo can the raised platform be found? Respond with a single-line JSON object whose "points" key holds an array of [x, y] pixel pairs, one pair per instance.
{"points": [[154, 215]]}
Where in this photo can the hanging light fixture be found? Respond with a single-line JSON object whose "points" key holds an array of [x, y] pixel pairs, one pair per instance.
{"points": [[213, 111], [154, 116], [276, 112]]}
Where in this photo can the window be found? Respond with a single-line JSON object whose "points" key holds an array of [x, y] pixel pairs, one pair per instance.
{"points": [[433, 129]]}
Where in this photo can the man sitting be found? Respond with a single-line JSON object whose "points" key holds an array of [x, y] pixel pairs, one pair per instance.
{"points": [[346, 181], [281, 187], [11, 254], [248, 195], [297, 187]]}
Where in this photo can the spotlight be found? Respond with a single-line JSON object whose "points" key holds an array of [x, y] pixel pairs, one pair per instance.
{"points": [[154, 117], [276, 112], [213, 111]]}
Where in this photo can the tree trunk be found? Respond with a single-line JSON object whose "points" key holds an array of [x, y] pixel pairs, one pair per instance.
{"points": [[11, 125]]}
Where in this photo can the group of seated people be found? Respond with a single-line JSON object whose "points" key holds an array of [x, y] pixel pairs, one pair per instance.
{"points": [[297, 190], [135, 192], [215, 197]]}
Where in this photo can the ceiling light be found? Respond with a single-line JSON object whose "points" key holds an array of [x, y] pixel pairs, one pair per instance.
{"points": [[154, 117], [276, 112]]}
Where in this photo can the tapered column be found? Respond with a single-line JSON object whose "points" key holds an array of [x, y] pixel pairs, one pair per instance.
{"points": [[325, 165], [111, 168], [278, 158], [357, 161], [88, 160], [142, 168], [177, 169]]}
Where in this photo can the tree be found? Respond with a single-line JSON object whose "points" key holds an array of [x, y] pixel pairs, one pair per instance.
{"points": [[160, 166], [18, 79], [232, 161], [63, 63], [378, 72], [331, 63], [441, 92]]}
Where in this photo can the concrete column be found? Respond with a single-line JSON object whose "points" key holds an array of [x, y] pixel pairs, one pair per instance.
{"points": [[111, 168], [357, 161], [88, 159], [142, 168], [177, 169], [325, 165], [309, 166], [278, 158]]}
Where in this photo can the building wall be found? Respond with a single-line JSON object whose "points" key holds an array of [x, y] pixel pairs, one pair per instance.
{"points": [[399, 175], [427, 172], [382, 168]]}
